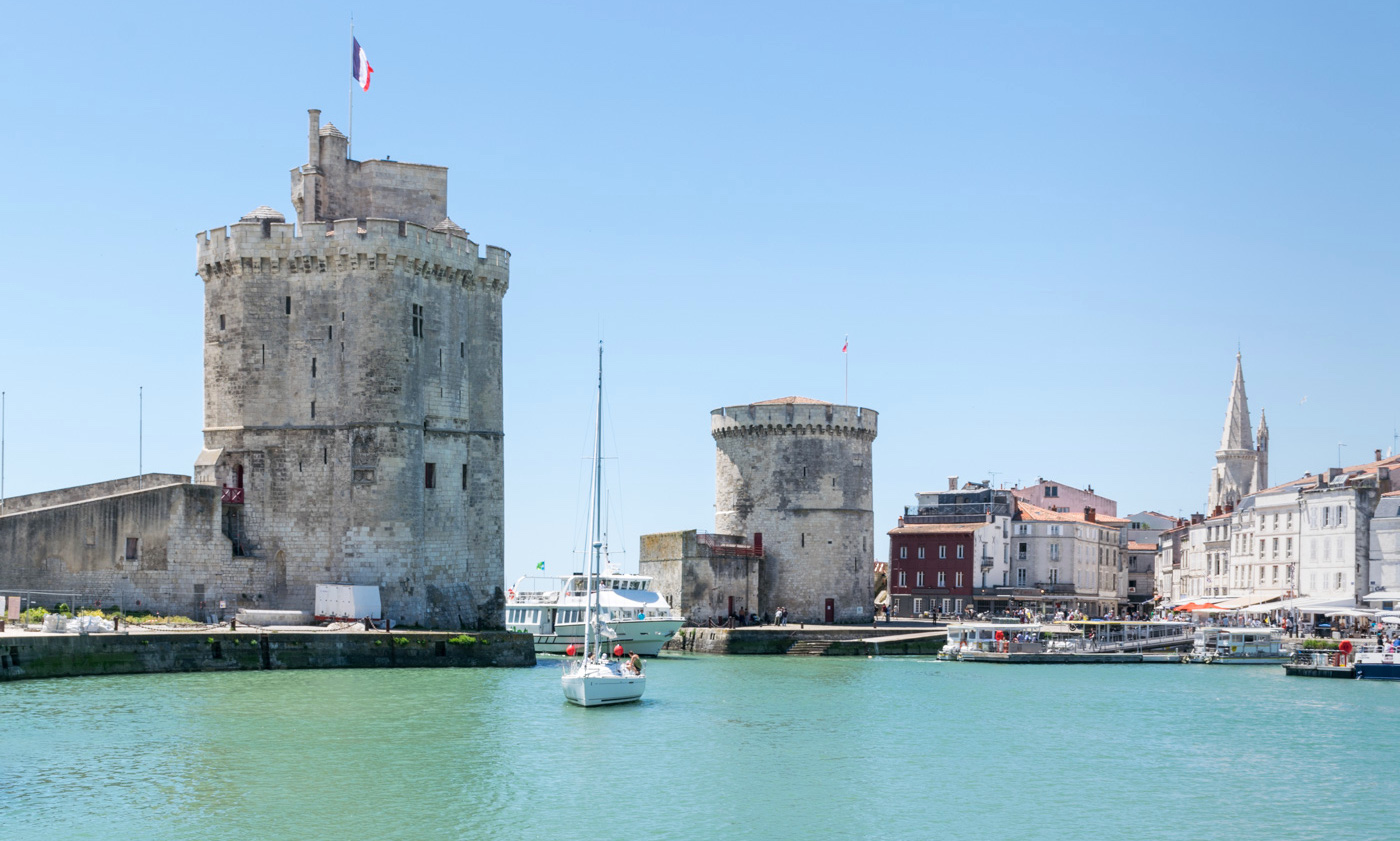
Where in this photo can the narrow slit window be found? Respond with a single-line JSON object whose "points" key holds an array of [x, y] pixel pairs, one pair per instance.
{"points": [[221, 322], [417, 321], [330, 332], [325, 455], [429, 475], [313, 367], [313, 409], [289, 305], [464, 477], [464, 350]]}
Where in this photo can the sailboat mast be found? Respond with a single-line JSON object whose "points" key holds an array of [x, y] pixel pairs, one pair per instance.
{"points": [[590, 631]]}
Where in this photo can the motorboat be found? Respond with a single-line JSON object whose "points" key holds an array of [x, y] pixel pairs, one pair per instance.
{"points": [[553, 610], [1238, 646]]}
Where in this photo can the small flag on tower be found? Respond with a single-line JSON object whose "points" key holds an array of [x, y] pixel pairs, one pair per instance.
{"points": [[846, 345], [359, 64]]}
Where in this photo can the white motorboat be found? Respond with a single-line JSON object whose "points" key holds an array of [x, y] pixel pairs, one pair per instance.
{"points": [[1238, 646], [553, 608], [599, 677]]}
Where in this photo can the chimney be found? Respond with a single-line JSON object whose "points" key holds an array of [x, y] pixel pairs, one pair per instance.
{"points": [[952, 483], [758, 539], [1332, 473], [1378, 455], [1217, 512], [1383, 479], [313, 139], [1197, 519], [1229, 506], [1090, 515]]}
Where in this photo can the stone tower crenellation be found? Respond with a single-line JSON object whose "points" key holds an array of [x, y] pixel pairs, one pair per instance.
{"points": [[353, 391], [798, 471]]}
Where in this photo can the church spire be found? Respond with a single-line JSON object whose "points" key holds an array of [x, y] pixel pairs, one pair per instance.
{"points": [[1237, 435]]}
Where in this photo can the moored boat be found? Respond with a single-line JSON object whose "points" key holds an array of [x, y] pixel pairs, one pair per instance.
{"points": [[1238, 646], [553, 610], [1378, 665]]}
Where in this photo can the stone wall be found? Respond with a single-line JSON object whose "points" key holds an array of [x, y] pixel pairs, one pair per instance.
{"points": [[341, 360], [71, 655], [80, 493], [181, 557], [697, 580], [800, 474]]}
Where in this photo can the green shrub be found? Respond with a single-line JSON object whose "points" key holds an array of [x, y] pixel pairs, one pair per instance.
{"points": [[1325, 645], [400, 641], [379, 642], [63, 608], [463, 639], [33, 616]]}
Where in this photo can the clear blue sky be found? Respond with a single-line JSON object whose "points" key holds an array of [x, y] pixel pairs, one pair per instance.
{"points": [[1044, 226]]}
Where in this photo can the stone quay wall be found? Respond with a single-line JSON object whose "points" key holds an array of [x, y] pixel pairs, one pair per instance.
{"points": [[697, 580], [24, 656], [800, 474], [843, 642]]}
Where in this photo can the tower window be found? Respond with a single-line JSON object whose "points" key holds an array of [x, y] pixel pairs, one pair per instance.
{"points": [[429, 475], [417, 321], [325, 455], [221, 322], [464, 477], [330, 332], [289, 305], [464, 350], [132, 544], [264, 354], [313, 367], [313, 409], [439, 360]]}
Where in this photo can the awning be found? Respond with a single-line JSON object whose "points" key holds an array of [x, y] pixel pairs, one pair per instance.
{"points": [[1382, 596], [1249, 600], [1312, 604]]}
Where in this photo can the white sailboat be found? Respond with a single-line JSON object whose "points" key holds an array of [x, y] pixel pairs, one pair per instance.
{"points": [[596, 678]]}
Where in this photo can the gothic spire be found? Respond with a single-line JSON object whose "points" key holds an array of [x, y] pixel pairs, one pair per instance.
{"points": [[1237, 435]]}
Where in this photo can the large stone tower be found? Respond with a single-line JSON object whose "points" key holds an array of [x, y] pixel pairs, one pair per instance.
{"points": [[352, 392], [1240, 469], [798, 472]]}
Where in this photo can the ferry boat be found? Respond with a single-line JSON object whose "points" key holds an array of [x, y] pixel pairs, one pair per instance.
{"points": [[553, 609], [1238, 646], [991, 637], [1378, 665]]}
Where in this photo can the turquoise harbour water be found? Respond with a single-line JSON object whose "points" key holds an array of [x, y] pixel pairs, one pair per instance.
{"points": [[732, 748]]}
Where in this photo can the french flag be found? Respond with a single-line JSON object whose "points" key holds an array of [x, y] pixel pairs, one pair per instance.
{"points": [[359, 65]]}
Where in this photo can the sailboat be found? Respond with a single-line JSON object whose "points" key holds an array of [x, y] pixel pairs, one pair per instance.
{"points": [[596, 679]]}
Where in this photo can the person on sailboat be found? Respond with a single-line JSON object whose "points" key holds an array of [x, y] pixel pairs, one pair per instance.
{"points": [[634, 662]]}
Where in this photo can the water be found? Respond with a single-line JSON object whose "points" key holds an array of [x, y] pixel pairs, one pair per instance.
{"points": [[732, 748]]}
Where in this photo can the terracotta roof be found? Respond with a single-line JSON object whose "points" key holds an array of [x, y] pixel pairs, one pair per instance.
{"points": [[806, 401], [1026, 511], [939, 528], [1134, 546], [1112, 521], [1160, 514]]}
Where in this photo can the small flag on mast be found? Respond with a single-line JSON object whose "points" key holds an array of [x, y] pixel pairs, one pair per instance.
{"points": [[359, 64], [539, 565], [846, 345]]}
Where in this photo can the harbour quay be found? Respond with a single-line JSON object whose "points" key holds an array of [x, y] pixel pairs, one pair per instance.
{"points": [[814, 641], [28, 654]]}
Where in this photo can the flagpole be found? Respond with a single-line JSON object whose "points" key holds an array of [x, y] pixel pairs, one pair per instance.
{"points": [[350, 128], [845, 351]]}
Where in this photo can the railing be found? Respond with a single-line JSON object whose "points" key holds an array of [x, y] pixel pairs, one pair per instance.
{"points": [[719, 544], [1056, 588], [232, 496]]}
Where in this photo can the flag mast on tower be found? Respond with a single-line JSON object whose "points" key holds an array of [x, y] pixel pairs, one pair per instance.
{"points": [[359, 74]]}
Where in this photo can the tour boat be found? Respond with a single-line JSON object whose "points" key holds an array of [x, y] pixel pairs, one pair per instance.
{"points": [[553, 609], [1378, 665], [990, 637], [1238, 646], [599, 677]]}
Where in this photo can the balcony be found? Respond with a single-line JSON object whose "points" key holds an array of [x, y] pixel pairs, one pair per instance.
{"points": [[231, 496]]}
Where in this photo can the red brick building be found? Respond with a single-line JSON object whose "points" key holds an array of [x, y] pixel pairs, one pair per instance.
{"points": [[931, 567]]}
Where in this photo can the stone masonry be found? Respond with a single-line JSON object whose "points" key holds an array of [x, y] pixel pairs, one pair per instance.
{"points": [[798, 472], [353, 390]]}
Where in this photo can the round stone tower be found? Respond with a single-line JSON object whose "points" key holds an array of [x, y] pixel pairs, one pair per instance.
{"points": [[797, 471], [352, 393]]}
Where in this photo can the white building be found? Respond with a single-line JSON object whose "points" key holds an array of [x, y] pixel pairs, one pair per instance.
{"points": [[1073, 559]]}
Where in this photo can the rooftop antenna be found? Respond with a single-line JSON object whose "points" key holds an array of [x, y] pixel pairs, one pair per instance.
{"points": [[994, 474], [1339, 454]]}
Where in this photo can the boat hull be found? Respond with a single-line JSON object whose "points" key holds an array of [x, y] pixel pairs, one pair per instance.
{"points": [[1384, 668], [602, 685], [644, 638]]}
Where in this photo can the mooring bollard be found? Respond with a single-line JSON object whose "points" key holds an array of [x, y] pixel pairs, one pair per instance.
{"points": [[233, 624]]}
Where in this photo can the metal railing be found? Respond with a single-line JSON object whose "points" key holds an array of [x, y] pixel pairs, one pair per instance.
{"points": [[231, 496]]}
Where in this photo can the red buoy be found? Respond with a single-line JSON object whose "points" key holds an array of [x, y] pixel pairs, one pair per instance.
{"points": [[1345, 646], [617, 650], [570, 650]]}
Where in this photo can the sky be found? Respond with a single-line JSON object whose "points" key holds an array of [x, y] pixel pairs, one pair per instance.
{"points": [[1046, 229]]}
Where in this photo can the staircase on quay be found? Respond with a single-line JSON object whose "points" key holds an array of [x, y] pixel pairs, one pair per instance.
{"points": [[809, 648]]}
